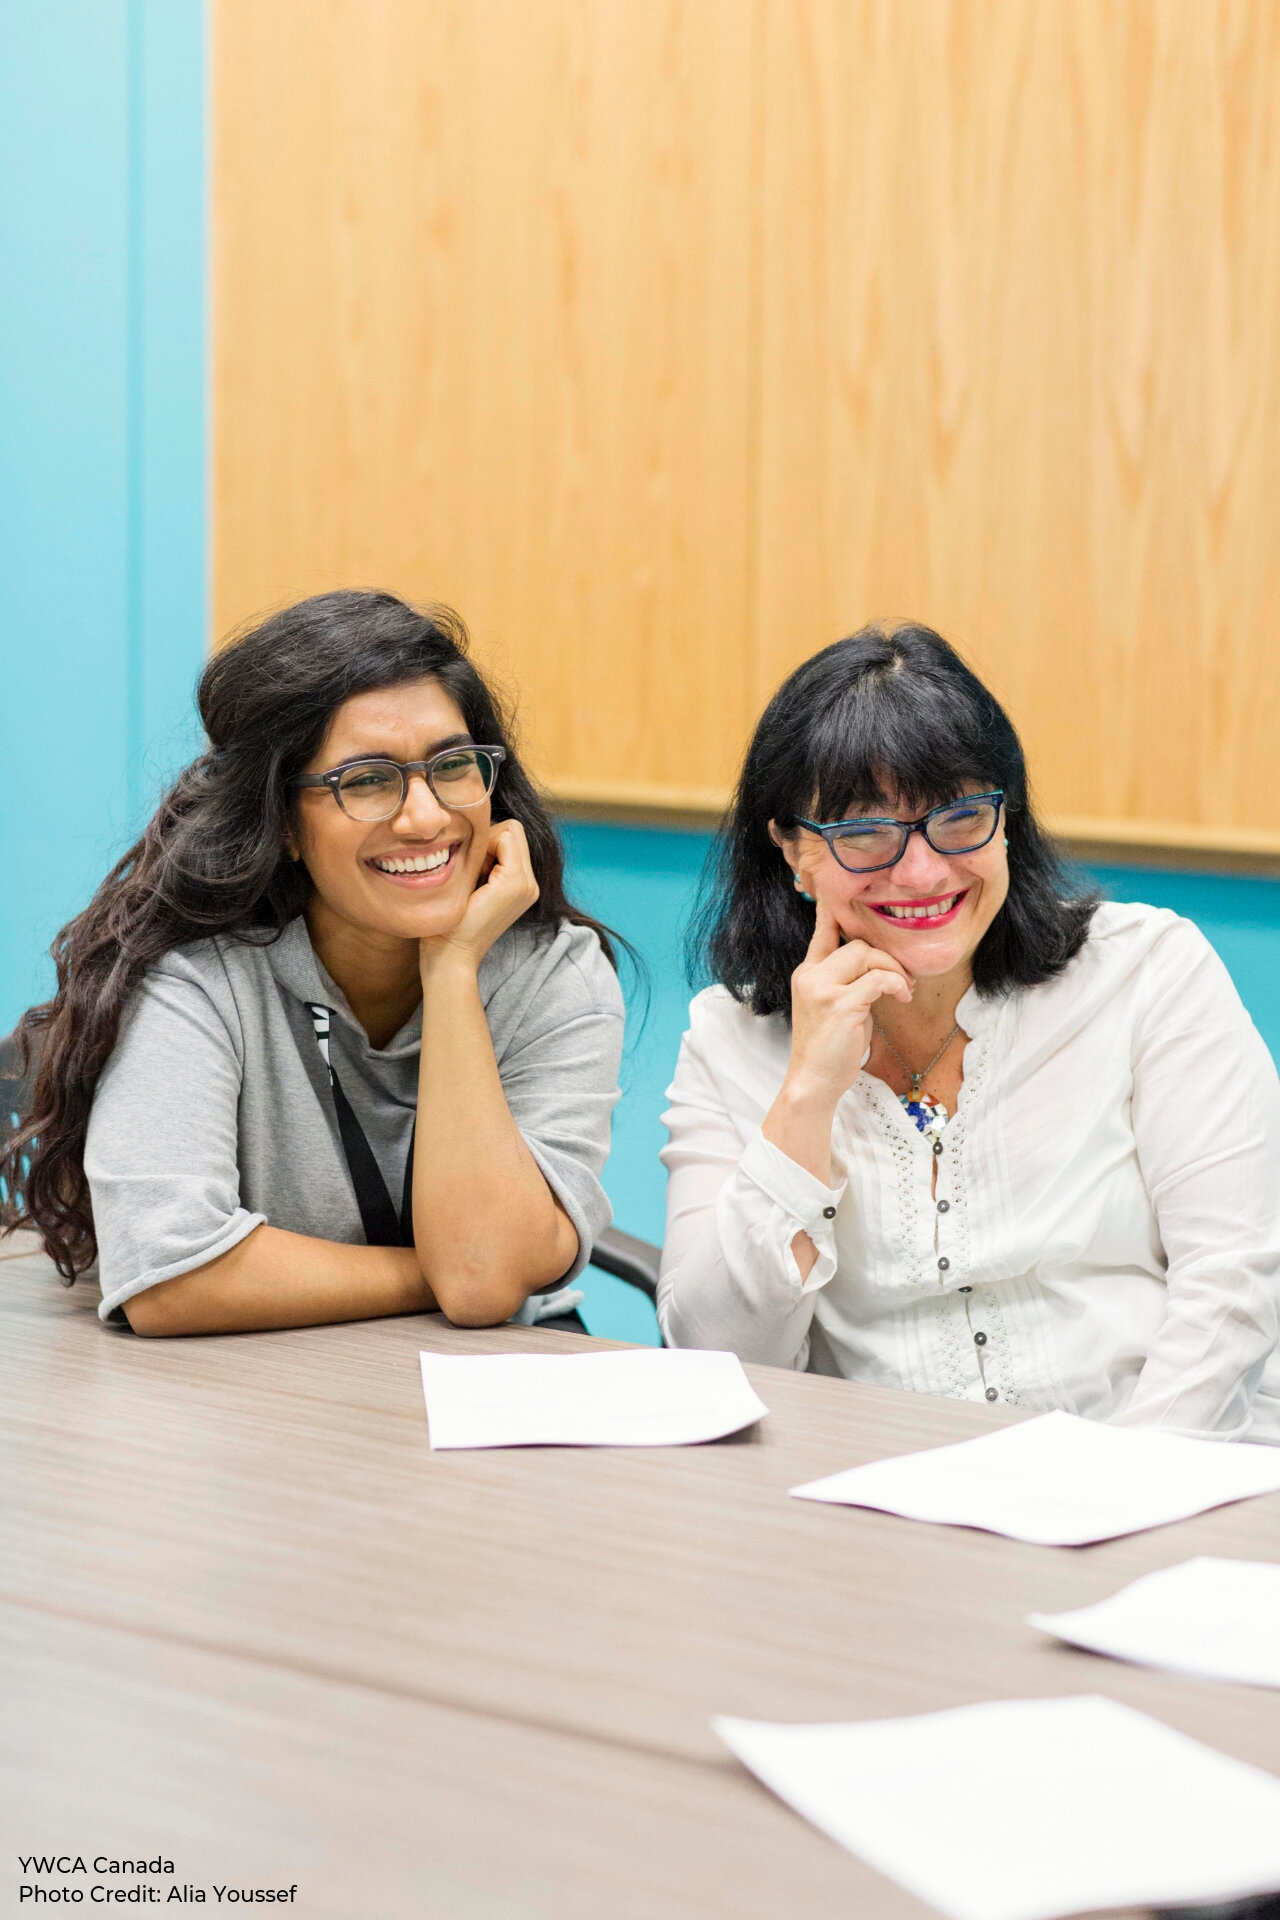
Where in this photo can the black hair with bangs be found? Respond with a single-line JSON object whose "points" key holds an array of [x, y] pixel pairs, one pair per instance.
{"points": [[891, 716]]}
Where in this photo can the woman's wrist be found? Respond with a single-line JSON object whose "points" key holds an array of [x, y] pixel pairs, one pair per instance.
{"points": [[416, 1292], [445, 963], [805, 1098], [799, 1124]]}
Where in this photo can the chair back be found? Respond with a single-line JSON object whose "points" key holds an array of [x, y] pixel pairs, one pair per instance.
{"points": [[628, 1258], [16, 1091]]}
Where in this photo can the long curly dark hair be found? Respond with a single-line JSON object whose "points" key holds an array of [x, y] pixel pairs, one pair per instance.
{"points": [[890, 713], [212, 861]]}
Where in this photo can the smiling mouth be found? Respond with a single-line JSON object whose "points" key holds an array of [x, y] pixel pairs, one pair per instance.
{"points": [[920, 913], [414, 866]]}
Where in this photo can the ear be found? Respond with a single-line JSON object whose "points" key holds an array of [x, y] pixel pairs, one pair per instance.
{"points": [[780, 840]]}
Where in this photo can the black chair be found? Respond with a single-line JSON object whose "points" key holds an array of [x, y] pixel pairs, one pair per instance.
{"points": [[629, 1259], [1264, 1906], [626, 1258], [15, 1092], [15, 1085]]}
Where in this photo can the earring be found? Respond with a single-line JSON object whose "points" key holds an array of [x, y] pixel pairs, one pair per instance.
{"points": [[797, 884], [1006, 839]]}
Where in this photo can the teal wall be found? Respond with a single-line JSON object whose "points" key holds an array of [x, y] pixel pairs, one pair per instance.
{"points": [[102, 443], [644, 882]]}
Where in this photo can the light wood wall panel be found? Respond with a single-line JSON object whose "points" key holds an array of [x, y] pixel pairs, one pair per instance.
{"points": [[483, 335], [670, 339], [1021, 378]]}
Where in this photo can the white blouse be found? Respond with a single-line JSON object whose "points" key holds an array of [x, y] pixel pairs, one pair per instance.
{"points": [[1105, 1231]]}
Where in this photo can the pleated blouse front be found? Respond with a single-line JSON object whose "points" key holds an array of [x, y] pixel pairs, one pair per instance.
{"points": [[1103, 1234]]}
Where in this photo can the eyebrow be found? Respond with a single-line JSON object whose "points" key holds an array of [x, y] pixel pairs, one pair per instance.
{"points": [[441, 746]]}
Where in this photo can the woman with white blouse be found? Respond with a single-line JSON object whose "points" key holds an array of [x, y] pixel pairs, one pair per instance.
{"points": [[947, 1123]]}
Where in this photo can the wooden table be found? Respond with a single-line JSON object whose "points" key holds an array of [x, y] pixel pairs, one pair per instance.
{"points": [[253, 1624]]}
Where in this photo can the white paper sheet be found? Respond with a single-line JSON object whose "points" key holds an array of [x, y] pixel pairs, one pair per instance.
{"points": [[1058, 1481], [1216, 1618], [1027, 1809], [648, 1397]]}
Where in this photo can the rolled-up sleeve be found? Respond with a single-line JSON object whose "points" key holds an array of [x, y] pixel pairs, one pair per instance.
{"points": [[559, 1073], [735, 1204], [161, 1150]]}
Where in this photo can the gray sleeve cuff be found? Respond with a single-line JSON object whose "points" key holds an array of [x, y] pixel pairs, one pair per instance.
{"points": [[583, 1199], [237, 1228]]}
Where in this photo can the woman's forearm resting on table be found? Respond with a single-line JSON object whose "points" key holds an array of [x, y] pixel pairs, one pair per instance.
{"points": [[274, 1279], [488, 1230]]}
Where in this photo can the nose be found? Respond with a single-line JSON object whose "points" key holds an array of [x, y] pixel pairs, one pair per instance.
{"points": [[922, 869], [421, 817]]}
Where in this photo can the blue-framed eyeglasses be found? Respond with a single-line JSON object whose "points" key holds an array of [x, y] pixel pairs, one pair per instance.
{"points": [[867, 845]]}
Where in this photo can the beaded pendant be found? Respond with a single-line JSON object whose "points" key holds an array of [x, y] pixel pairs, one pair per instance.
{"points": [[929, 1115]]}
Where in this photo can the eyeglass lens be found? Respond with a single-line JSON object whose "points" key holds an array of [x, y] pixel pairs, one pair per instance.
{"points": [[375, 789], [863, 844]]}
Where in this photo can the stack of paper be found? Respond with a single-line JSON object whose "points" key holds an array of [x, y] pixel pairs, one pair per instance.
{"points": [[645, 1397], [1027, 1809], [1058, 1481], [1216, 1618]]}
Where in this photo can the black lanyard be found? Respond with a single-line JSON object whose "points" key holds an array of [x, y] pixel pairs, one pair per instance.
{"points": [[377, 1214]]}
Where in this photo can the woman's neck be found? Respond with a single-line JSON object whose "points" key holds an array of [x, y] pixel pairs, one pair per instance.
{"points": [[378, 975], [929, 1015]]}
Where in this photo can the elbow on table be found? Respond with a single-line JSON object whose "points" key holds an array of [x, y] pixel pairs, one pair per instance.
{"points": [[483, 1286], [157, 1313], [479, 1298], [478, 1305]]}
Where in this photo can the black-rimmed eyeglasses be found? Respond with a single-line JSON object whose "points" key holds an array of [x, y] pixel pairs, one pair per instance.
{"points": [[376, 789], [867, 845]]}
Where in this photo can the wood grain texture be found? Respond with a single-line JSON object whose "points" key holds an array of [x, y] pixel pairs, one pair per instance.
{"points": [[380, 1806], [274, 1497], [1022, 380], [481, 336], [670, 341]]}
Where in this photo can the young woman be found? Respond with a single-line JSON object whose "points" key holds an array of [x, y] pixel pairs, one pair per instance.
{"points": [[945, 1123], [329, 1042]]}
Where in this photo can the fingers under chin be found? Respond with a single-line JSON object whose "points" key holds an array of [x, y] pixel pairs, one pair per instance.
{"points": [[874, 985], [857, 957]]}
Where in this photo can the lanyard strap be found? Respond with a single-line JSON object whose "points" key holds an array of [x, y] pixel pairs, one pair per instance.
{"points": [[377, 1214]]}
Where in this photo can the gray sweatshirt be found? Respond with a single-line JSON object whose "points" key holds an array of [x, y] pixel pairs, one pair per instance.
{"points": [[214, 1112]]}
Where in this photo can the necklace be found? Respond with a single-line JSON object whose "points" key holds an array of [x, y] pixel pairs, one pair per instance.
{"points": [[929, 1114]]}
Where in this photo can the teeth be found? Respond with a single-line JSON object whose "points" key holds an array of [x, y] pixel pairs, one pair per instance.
{"points": [[419, 863], [934, 912]]}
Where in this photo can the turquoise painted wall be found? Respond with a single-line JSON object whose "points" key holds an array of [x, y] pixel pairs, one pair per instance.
{"points": [[102, 443], [644, 883]]}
